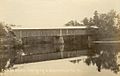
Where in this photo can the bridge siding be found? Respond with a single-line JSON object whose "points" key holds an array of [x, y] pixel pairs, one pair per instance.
{"points": [[20, 33]]}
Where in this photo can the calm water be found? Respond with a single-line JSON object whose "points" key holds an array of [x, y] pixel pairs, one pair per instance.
{"points": [[101, 60]]}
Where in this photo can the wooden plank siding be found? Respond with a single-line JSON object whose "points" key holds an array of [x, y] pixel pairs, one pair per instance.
{"points": [[20, 33]]}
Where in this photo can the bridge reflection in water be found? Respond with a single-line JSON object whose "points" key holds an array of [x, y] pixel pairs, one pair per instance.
{"points": [[103, 56], [43, 52]]}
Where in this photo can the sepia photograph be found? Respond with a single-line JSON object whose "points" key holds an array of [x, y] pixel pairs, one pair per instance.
{"points": [[59, 37]]}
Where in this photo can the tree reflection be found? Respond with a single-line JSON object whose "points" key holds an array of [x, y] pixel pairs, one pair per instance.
{"points": [[104, 57]]}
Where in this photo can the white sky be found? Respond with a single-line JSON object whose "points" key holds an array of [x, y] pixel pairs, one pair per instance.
{"points": [[51, 13]]}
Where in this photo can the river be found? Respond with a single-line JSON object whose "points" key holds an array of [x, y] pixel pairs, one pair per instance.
{"points": [[65, 60]]}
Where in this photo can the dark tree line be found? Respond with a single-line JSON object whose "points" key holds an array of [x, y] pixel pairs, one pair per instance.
{"points": [[10, 46], [108, 24]]}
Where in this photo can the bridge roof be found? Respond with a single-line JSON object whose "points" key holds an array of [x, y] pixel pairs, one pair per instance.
{"points": [[65, 27]]}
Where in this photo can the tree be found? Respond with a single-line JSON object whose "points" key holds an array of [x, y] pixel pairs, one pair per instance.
{"points": [[73, 23], [108, 24], [8, 47], [86, 21], [96, 18], [108, 27]]}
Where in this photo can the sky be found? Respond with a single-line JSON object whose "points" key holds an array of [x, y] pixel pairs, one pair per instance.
{"points": [[52, 13]]}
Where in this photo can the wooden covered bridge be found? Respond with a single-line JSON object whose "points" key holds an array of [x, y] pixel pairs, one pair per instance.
{"points": [[79, 36], [55, 35]]}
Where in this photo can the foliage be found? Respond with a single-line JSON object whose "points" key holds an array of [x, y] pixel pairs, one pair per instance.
{"points": [[8, 47], [108, 24], [73, 23]]}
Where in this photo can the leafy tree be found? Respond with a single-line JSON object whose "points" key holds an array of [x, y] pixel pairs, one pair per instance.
{"points": [[8, 47], [73, 23], [96, 18], [86, 21], [108, 27], [108, 24]]}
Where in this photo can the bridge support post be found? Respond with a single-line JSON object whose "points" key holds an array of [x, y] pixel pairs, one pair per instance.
{"points": [[89, 41], [59, 40], [62, 50]]}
